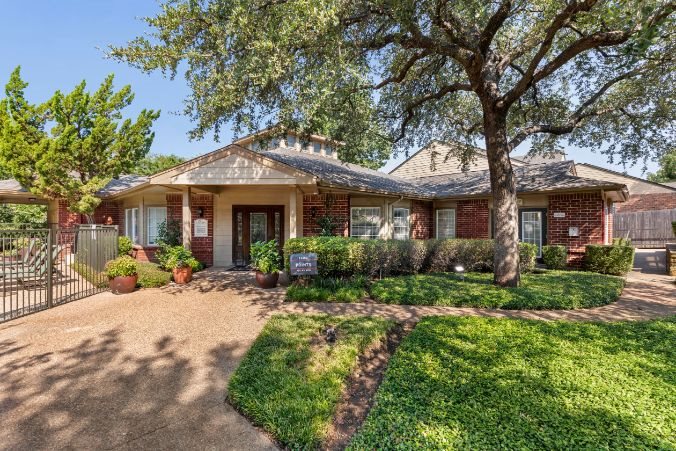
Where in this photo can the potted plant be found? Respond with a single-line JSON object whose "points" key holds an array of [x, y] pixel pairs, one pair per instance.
{"points": [[266, 260], [122, 274], [181, 263]]}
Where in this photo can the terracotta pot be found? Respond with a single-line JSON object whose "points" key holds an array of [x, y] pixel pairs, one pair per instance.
{"points": [[123, 284], [267, 281], [182, 275]]}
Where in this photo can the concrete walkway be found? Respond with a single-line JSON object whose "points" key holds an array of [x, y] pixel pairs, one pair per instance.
{"points": [[149, 370]]}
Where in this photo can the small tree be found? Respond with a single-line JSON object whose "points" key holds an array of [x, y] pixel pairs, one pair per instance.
{"points": [[152, 164], [667, 170], [72, 145]]}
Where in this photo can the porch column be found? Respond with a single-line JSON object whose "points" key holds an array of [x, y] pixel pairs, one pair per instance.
{"points": [[141, 224], [292, 214], [187, 219]]}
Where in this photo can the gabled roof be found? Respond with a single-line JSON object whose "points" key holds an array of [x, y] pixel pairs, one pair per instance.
{"points": [[335, 173], [123, 183], [630, 178], [557, 176]]}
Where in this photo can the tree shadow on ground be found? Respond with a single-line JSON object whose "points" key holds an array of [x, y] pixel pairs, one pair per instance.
{"points": [[98, 394]]}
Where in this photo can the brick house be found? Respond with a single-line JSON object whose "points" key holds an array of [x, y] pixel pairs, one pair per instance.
{"points": [[256, 189]]}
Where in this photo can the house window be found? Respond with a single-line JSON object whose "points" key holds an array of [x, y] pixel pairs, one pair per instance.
{"points": [[365, 222], [401, 222], [131, 224], [328, 150], [446, 223], [156, 216], [274, 144], [318, 147], [290, 141]]}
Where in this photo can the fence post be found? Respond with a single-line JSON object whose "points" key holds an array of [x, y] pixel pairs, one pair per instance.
{"points": [[50, 266]]}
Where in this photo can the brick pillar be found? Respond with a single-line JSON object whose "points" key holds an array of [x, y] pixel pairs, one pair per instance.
{"points": [[582, 210], [110, 213], [318, 205], [471, 217], [422, 220], [203, 247], [175, 209]]}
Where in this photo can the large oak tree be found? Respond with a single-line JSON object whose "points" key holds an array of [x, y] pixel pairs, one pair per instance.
{"points": [[597, 74]]}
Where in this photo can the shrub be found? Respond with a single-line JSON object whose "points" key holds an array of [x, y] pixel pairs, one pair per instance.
{"points": [[609, 259], [150, 275], [673, 227], [328, 290], [169, 232], [344, 257], [622, 241], [122, 267], [554, 256], [265, 257], [124, 245], [170, 257]]}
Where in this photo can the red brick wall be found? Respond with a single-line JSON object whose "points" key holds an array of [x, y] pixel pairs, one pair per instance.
{"points": [[340, 209], [471, 218], [203, 247], [175, 207], [110, 213], [646, 202], [582, 210], [67, 218], [422, 220], [145, 254]]}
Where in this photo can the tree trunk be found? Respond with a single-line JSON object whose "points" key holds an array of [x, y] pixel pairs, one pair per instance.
{"points": [[505, 208]]}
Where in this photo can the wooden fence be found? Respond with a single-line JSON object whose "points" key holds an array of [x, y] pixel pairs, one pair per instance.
{"points": [[651, 229]]}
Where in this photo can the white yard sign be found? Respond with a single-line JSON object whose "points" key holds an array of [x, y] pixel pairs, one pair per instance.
{"points": [[201, 228]]}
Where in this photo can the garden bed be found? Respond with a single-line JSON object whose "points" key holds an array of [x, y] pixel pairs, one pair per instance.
{"points": [[549, 290], [292, 378], [478, 383]]}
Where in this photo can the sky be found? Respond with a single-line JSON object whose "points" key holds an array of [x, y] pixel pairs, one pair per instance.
{"points": [[59, 43]]}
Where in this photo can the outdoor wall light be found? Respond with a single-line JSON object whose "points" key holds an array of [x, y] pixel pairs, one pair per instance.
{"points": [[200, 212], [460, 270], [313, 212]]}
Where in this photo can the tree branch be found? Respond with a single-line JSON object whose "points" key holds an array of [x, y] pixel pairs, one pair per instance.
{"points": [[494, 24]]}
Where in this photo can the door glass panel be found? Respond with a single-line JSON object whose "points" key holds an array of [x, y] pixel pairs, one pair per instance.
{"points": [[531, 229], [278, 227], [258, 227]]}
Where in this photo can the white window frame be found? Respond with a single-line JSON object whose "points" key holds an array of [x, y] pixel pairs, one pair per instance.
{"points": [[378, 225], [149, 235], [315, 149], [290, 138], [437, 228], [405, 232], [131, 224]]}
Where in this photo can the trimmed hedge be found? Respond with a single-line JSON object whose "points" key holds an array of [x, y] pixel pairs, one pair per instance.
{"points": [[555, 256], [609, 259], [346, 257]]}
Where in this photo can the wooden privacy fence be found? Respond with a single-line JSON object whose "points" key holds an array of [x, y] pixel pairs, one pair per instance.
{"points": [[645, 228]]}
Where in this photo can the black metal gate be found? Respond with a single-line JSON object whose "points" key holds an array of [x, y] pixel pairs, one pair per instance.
{"points": [[42, 268]]}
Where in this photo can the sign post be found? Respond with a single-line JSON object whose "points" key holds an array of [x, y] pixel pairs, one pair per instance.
{"points": [[303, 264]]}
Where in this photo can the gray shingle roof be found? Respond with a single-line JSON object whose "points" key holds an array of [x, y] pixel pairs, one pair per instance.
{"points": [[332, 172], [123, 183], [533, 178], [12, 186], [115, 186]]}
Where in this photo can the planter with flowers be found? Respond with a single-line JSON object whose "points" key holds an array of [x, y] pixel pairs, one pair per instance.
{"points": [[181, 263], [122, 274]]}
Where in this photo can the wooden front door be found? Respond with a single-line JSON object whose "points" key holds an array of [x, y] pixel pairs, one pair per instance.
{"points": [[252, 223]]}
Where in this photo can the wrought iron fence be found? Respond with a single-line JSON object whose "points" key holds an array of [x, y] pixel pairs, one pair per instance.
{"points": [[42, 268]]}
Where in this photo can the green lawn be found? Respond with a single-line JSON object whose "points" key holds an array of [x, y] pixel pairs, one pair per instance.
{"points": [[328, 290], [476, 383], [550, 290], [291, 380]]}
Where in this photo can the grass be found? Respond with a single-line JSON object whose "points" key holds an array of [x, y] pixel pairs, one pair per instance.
{"points": [[328, 290], [550, 290], [149, 275], [477, 383], [291, 380]]}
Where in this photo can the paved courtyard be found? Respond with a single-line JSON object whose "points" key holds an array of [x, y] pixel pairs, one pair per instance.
{"points": [[150, 370]]}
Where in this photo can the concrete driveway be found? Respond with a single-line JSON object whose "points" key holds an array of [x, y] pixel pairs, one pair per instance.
{"points": [[147, 370]]}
